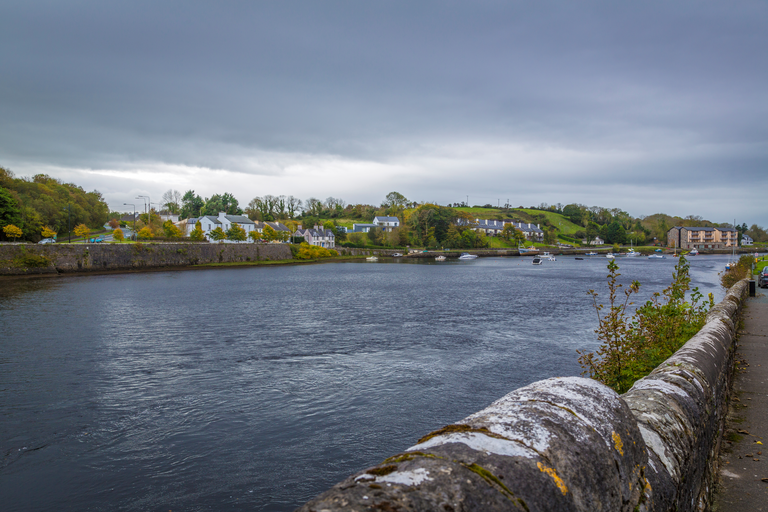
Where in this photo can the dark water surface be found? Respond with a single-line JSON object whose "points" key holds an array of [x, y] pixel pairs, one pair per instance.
{"points": [[258, 388]]}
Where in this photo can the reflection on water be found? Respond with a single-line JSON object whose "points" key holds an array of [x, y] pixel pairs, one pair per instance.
{"points": [[258, 388]]}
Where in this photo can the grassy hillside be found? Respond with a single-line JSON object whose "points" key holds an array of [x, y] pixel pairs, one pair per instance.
{"points": [[563, 225]]}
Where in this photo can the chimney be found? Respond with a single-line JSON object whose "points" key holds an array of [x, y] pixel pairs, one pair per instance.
{"points": [[299, 228]]}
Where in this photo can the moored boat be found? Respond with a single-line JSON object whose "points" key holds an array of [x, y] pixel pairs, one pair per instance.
{"points": [[440, 258], [694, 252], [537, 261], [591, 254], [371, 258], [467, 256], [397, 255], [657, 257]]}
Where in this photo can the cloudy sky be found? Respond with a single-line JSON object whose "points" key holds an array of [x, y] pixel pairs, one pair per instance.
{"points": [[652, 106]]}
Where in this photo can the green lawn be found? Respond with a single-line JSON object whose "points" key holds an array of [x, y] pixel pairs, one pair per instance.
{"points": [[564, 226]]}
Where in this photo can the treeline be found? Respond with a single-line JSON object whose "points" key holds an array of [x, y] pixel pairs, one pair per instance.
{"points": [[42, 202]]}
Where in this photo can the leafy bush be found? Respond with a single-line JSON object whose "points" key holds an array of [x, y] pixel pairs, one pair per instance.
{"points": [[738, 272], [118, 235], [634, 345], [145, 233], [311, 252]]}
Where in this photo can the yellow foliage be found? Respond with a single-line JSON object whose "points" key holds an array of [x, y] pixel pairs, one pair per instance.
{"points": [[145, 233], [82, 231], [48, 232], [117, 234], [12, 231], [313, 252]]}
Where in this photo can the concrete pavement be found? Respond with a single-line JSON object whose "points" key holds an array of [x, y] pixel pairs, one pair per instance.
{"points": [[744, 454]]}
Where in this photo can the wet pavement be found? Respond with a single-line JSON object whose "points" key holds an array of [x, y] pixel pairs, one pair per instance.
{"points": [[744, 454]]}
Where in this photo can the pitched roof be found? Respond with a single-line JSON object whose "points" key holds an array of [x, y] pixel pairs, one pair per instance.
{"points": [[240, 219], [386, 219]]}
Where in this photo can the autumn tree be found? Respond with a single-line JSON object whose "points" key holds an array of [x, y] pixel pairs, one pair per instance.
{"points": [[268, 233], [236, 233], [117, 234], [218, 234], [170, 230], [197, 234], [144, 233], [12, 232], [48, 232], [83, 231]]}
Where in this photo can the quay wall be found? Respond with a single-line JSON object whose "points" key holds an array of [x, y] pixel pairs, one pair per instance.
{"points": [[572, 444], [26, 259]]}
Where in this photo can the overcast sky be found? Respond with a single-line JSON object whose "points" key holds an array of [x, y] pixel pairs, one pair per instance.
{"points": [[652, 106]]}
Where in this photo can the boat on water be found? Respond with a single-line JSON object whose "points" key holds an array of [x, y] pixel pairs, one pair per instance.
{"points": [[537, 261], [657, 257], [694, 252], [527, 250], [579, 259], [440, 258], [397, 255], [632, 253], [591, 254], [371, 258], [610, 256], [467, 256]]}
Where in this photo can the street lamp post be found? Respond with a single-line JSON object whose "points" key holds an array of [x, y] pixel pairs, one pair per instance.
{"points": [[146, 208], [134, 217], [69, 223]]}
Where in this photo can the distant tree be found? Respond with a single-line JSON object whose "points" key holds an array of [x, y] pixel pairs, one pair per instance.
{"points": [[170, 230], [550, 235], [615, 233], [114, 223], [197, 234], [144, 233], [341, 234], [172, 201], [48, 232], [10, 213], [218, 234], [593, 230], [236, 233], [268, 233], [12, 232], [293, 206], [117, 234], [375, 235], [83, 231], [254, 235], [329, 225], [313, 207], [191, 205]]}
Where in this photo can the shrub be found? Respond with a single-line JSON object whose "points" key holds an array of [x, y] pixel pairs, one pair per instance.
{"points": [[738, 272], [145, 233], [312, 252], [634, 345], [117, 234]]}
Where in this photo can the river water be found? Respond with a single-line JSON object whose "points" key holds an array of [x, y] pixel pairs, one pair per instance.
{"points": [[258, 388]]}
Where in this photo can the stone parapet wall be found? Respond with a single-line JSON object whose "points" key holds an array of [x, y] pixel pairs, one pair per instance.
{"points": [[23, 259], [572, 444]]}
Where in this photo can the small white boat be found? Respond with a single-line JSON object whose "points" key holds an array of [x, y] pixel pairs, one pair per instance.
{"points": [[657, 257], [552, 258], [440, 258], [632, 253], [371, 258], [397, 255], [537, 261], [610, 256], [545, 254], [591, 254], [694, 252], [467, 256]]}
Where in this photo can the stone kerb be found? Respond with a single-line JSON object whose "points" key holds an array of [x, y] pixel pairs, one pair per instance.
{"points": [[571, 444]]}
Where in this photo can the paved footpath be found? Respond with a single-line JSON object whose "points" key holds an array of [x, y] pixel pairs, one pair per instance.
{"points": [[744, 457]]}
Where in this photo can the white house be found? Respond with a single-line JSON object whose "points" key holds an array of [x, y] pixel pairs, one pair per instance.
{"points": [[746, 240], [386, 223], [208, 223], [318, 236], [362, 228], [532, 232], [596, 241]]}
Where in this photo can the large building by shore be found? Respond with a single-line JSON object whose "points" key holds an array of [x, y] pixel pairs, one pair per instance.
{"points": [[686, 237]]}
